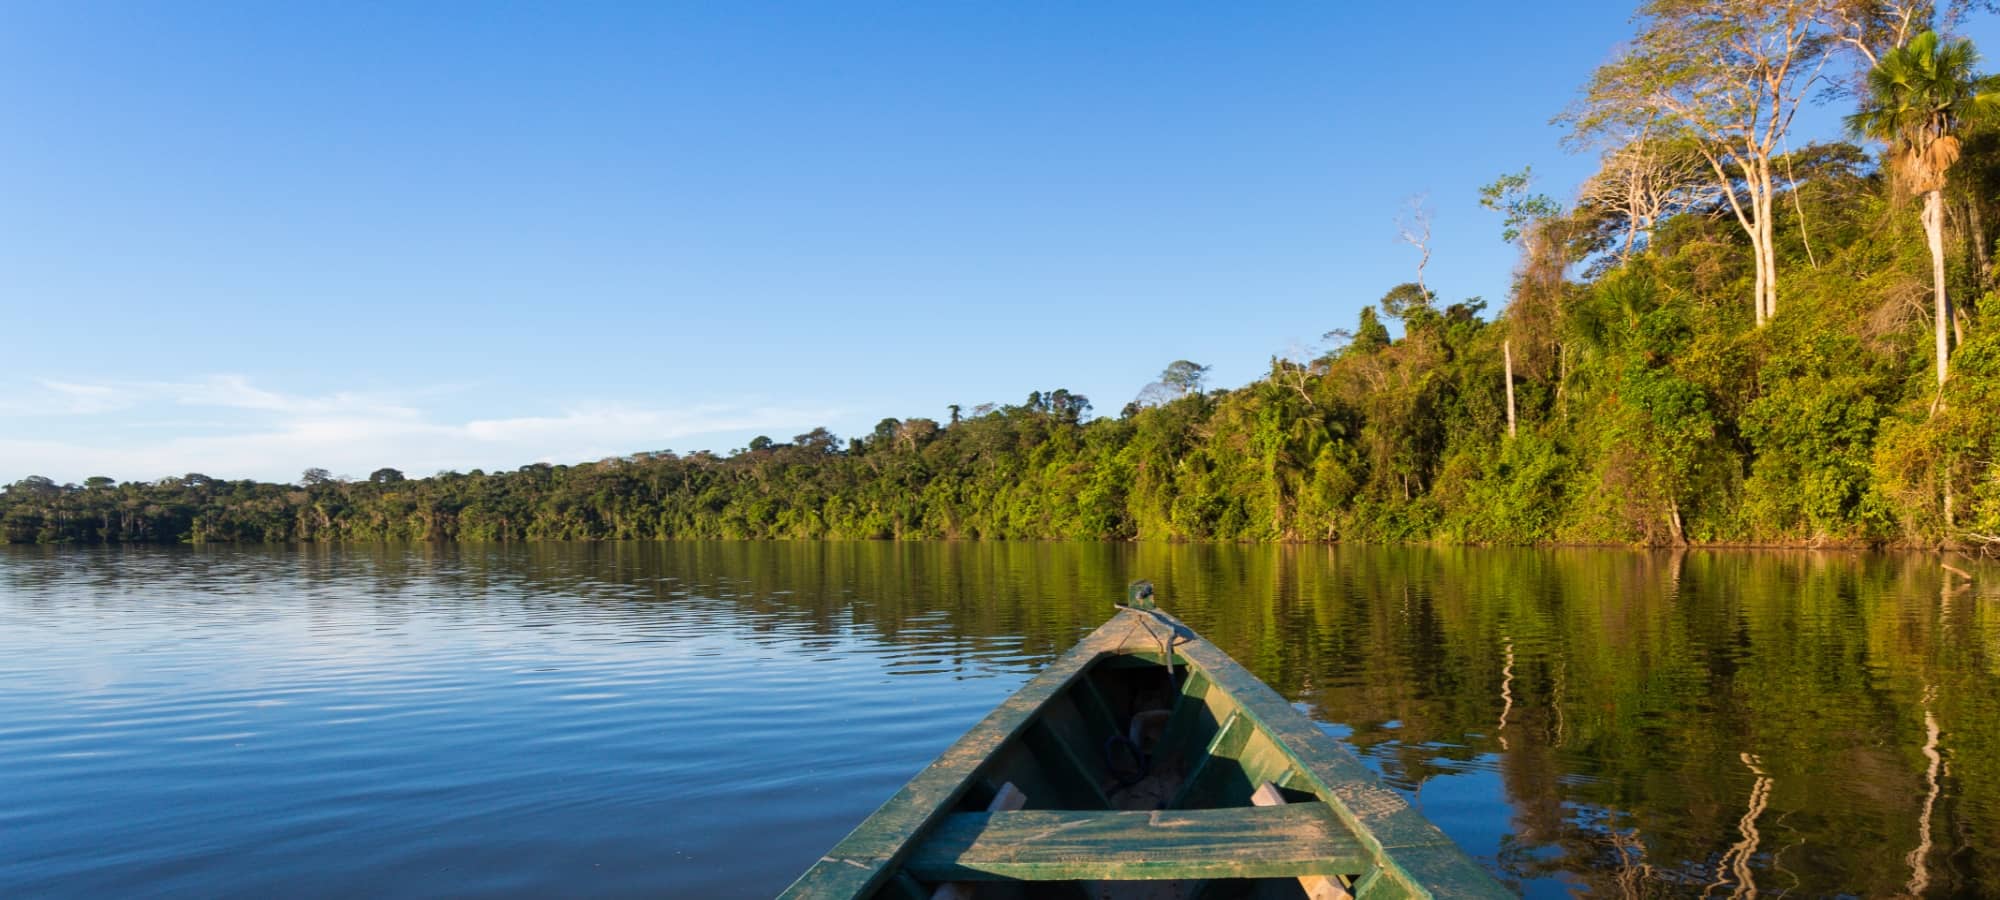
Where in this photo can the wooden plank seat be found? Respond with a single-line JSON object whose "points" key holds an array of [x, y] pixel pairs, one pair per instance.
{"points": [[1290, 841]]}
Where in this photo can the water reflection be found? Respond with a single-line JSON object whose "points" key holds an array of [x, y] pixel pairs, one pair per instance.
{"points": [[705, 718]]}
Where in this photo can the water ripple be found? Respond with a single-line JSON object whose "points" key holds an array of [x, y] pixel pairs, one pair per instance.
{"points": [[704, 719]]}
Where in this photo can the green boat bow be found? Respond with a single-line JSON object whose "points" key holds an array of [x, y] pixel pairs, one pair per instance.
{"points": [[1145, 763]]}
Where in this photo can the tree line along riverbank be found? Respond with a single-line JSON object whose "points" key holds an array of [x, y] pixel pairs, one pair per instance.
{"points": [[1730, 334]]}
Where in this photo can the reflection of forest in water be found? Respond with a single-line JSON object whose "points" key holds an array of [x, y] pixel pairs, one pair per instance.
{"points": [[1656, 723]]}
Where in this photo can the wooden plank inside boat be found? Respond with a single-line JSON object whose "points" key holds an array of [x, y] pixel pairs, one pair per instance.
{"points": [[1063, 845], [1317, 887]]}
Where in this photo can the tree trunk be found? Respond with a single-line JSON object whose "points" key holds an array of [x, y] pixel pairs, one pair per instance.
{"points": [[1507, 349], [1757, 301], [1755, 226], [1770, 249], [1933, 219], [1976, 236], [1798, 205], [1934, 234], [1755, 219], [1562, 380], [1759, 230]]}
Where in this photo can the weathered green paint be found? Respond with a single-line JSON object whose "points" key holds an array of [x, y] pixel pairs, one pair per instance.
{"points": [[1403, 841], [866, 858], [1051, 845], [1189, 715], [1215, 764], [1358, 827], [1064, 765]]}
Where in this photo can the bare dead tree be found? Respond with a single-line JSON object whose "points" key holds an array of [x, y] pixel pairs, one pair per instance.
{"points": [[1644, 180], [1413, 227], [1294, 370]]}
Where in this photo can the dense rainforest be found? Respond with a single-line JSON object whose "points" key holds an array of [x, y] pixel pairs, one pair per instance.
{"points": [[1730, 334]]}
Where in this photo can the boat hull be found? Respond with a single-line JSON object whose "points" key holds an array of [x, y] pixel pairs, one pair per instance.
{"points": [[1145, 762]]}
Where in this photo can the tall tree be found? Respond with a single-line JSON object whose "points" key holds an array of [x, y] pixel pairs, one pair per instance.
{"points": [[1641, 181], [1184, 377], [1728, 75], [1406, 300], [1919, 96], [1526, 217], [1873, 27]]}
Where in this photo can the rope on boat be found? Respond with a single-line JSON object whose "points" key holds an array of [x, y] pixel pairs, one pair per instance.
{"points": [[1141, 596]]}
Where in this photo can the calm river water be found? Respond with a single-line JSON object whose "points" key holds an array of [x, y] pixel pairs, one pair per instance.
{"points": [[701, 720]]}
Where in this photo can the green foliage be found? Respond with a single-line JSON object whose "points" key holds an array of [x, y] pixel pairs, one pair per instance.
{"points": [[1650, 410], [1919, 95], [1405, 301], [1520, 209], [1812, 431], [1370, 335], [1183, 376], [1511, 493], [1927, 453]]}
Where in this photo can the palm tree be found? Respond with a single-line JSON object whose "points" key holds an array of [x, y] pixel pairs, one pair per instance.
{"points": [[1919, 96]]}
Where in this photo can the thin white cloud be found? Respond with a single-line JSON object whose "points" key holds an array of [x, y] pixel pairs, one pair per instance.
{"points": [[235, 392], [634, 422], [67, 398], [274, 435]]}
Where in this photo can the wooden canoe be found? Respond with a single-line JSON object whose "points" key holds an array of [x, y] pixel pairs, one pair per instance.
{"points": [[1111, 775]]}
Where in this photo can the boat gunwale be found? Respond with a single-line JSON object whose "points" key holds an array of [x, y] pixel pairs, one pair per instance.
{"points": [[1408, 849]]}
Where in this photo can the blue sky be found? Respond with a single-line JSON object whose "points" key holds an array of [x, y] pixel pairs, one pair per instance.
{"points": [[247, 239]]}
